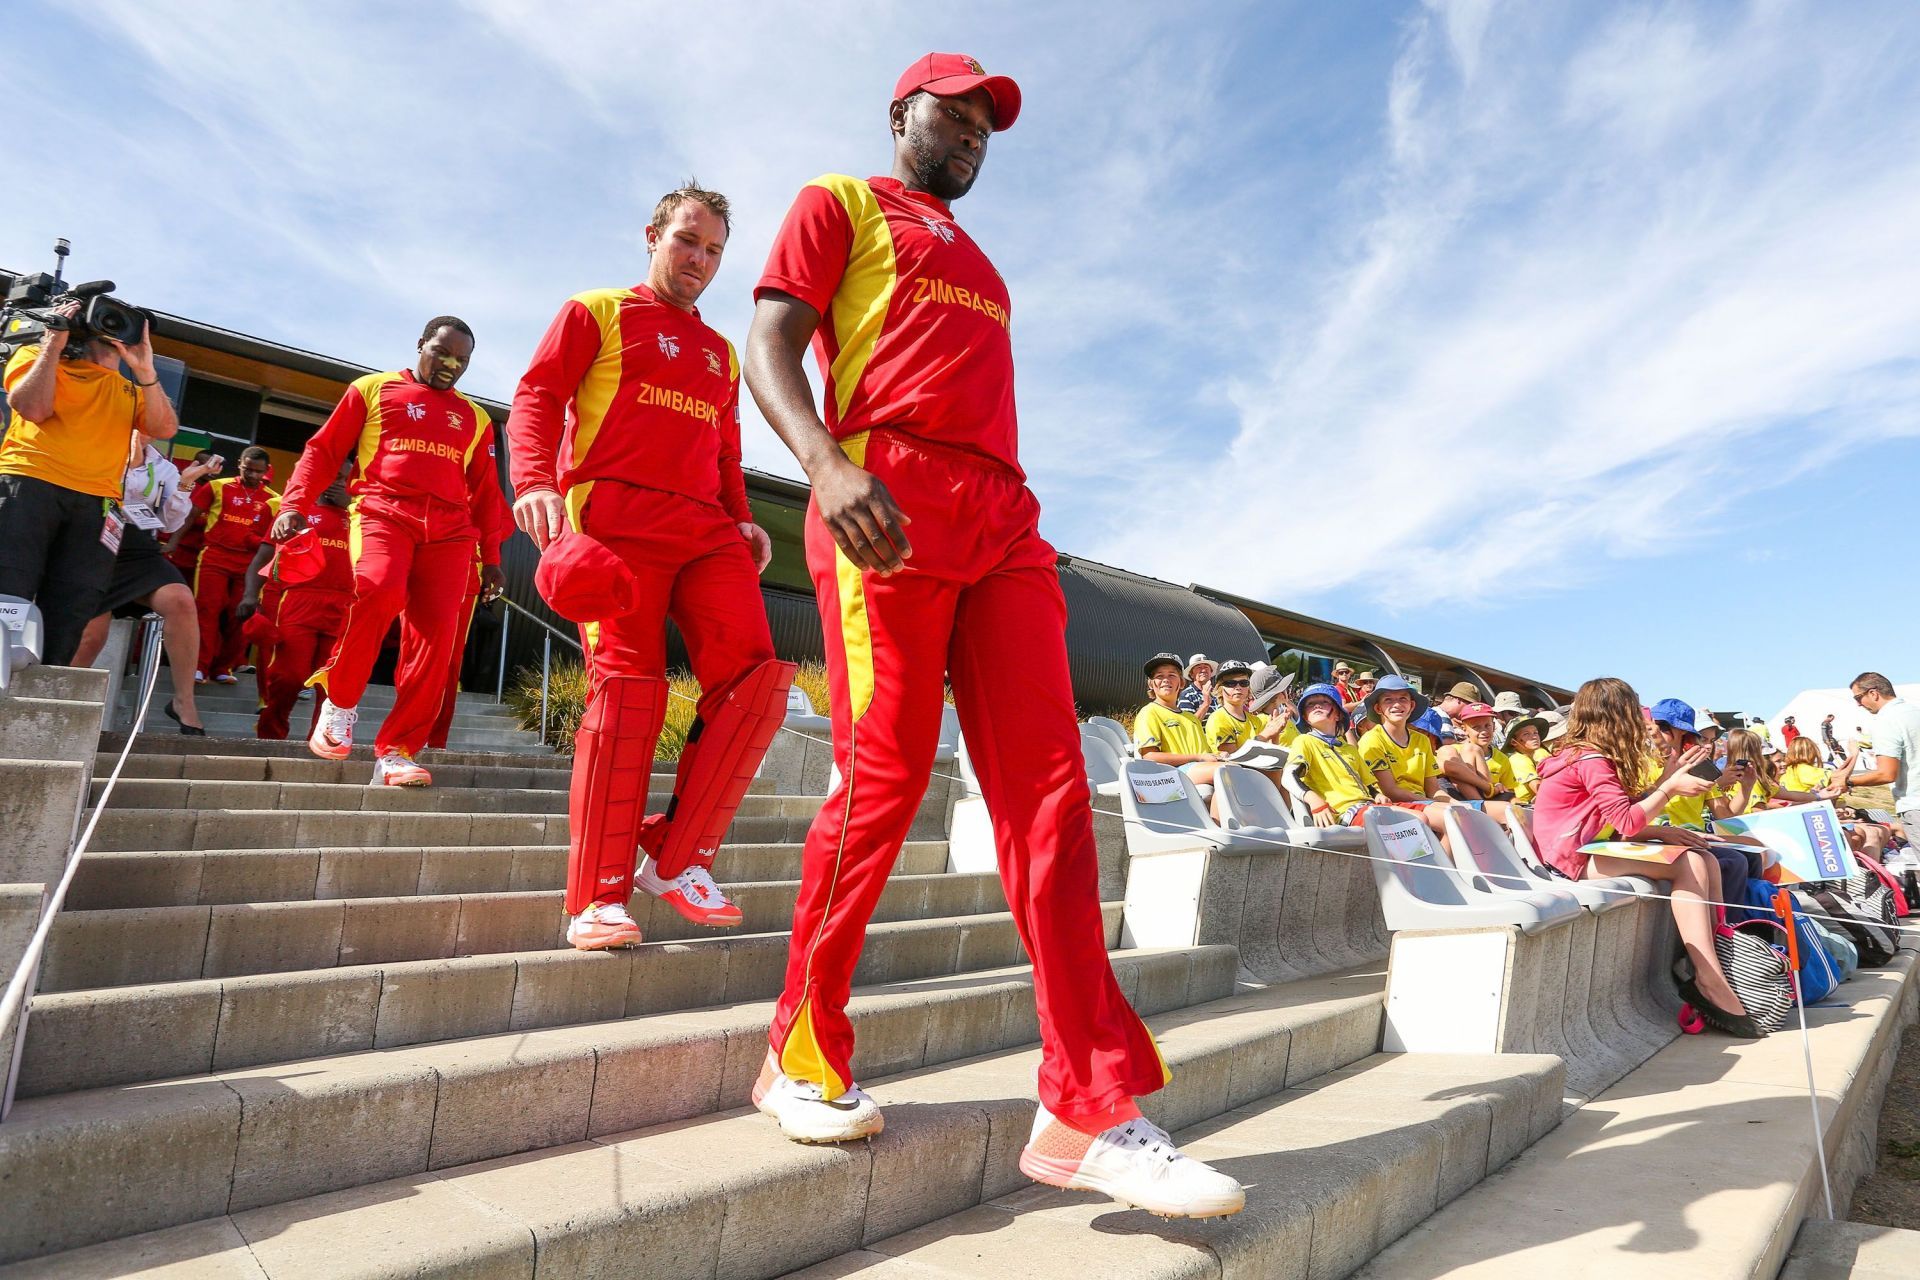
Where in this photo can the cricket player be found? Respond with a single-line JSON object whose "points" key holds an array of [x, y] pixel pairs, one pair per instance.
{"points": [[928, 566], [625, 438]]}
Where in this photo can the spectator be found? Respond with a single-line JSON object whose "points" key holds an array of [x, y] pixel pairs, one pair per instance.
{"points": [[1759, 727], [1343, 681], [1165, 734], [1896, 743], [183, 545], [1584, 798], [1439, 727], [1234, 723], [1674, 734], [156, 502], [1520, 747], [1197, 698], [1472, 769], [1323, 771], [1803, 771], [1455, 698], [1507, 708], [1747, 783], [1789, 731], [1403, 760], [237, 512], [1831, 741], [1268, 697], [74, 418]]}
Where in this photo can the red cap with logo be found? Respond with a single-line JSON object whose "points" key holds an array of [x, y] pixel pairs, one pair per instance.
{"points": [[951, 74], [583, 580], [300, 559]]}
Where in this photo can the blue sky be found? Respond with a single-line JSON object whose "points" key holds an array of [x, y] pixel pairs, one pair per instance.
{"points": [[1575, 338]]}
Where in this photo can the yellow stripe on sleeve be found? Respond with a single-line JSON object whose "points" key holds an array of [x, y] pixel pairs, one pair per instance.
{"points": [[866, 290]]}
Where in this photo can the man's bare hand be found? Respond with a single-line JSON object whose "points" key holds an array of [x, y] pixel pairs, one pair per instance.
{"points": [[863, 518], [138, 355], [493, 580], [758, 543], [286, 525], [541, 514]]}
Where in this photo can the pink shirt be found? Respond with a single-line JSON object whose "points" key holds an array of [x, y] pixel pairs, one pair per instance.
{"points": [[1579, 797]]}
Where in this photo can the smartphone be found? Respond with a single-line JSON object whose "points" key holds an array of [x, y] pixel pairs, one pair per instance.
{"points": [[1706, 770]]}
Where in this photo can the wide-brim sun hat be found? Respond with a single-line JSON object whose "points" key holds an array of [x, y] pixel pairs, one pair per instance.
{"points": [[1186, 669], [1268, 684], [1537, 721], [1395, 684], [1322, 690], [1675, 714], [1508, 700]]}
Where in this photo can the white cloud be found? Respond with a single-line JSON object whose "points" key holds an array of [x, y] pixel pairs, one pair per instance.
{"points": [[1596, 264]]}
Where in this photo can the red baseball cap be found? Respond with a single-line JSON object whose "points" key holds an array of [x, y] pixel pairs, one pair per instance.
{"points": [[583, 580], [300, 559], [1474, 711], [952, 74], [260, 629]]}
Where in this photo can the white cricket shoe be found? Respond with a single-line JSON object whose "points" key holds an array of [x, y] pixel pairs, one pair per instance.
{"points": [[692, 893], [602, 927], [1136, 1163], [396, 769], [332, 737], [807, 1115]]}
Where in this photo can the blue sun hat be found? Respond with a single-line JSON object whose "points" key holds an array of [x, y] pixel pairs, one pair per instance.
{"points": [[1323, 691], [1395, 684], [1674, 714]]}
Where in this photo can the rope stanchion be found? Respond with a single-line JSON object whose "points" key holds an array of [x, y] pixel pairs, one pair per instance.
{"points": [[15, 1001]]}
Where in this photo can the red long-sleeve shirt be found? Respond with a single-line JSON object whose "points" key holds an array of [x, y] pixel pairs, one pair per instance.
{"points": [[625, 387], [429, 450], [237, 520]]}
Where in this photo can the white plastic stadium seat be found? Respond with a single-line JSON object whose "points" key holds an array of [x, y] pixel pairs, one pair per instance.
{"points": [[1419, 888], [949, 735], [22, 636], [1163, 810], [1250, 802], [1116, 734], [801, 715], [1481, 850], [1103, 762], [1523, 849]]}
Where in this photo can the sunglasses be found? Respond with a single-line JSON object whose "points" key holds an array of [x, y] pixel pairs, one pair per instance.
{"points": [[1236, 684]]}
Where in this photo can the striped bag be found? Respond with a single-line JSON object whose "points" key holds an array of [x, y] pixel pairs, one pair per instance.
{"points": [[1757, 972]]}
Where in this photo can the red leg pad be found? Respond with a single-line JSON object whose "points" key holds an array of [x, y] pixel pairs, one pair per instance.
{"points": [[718, 765], [612, 762]]}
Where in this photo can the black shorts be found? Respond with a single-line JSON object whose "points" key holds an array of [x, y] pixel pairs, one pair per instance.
{"points": [[140, 569], [51, 553]]}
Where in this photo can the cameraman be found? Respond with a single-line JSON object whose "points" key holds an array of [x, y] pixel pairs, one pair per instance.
{"points": [[73, 423]]}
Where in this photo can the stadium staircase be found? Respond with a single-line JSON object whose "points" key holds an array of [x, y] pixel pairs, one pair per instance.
{"points": [[290, 1025]]}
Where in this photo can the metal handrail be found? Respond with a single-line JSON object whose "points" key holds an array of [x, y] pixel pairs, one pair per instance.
{"points": [[15, 999], [546, 653]]}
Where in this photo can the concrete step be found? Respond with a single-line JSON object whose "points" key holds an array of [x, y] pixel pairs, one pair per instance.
{"points": [[1337, 1169], [175, 744], [245, 694], [162, 1030], [1852, 1251], [235, 726], [122, 830], [535, 772], [85, 1167], [210, 877], [242, 710], [173, 944], [179, 793]]}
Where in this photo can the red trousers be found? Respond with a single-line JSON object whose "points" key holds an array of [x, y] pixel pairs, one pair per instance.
{"points": [[694, 567], [410, 560], [979, 603], [443, 722], [217, 588], [309, 625]]}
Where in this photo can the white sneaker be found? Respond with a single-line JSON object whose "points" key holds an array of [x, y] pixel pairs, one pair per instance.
{"points": [[692, 893], [396, 770], [806, 1115], [1136, 1163], [602, 927], [332, 737]]}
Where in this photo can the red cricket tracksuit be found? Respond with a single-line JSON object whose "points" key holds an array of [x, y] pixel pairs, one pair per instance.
{"points": [[915, 349], [185, 556], [424, 460], [496, 526], [631, 410], [236, 521], [308, 620]]}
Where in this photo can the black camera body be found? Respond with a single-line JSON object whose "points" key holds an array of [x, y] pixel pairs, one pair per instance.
{"points": [[28, 310]]}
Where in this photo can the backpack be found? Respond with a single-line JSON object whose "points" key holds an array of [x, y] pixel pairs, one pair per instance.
{"points": [[1871, 936], [1876, 890], [1820, 972], [1757, 972]]}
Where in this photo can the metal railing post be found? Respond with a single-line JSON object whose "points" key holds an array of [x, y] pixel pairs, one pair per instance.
{"points": [[500, 676], [546, 672]]}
